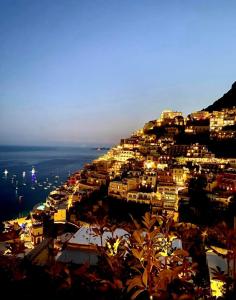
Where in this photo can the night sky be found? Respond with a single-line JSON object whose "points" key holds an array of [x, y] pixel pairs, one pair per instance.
{"points": [[78, 72]]}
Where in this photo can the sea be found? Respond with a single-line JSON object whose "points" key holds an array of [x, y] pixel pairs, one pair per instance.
{"points": [[29, 174]]}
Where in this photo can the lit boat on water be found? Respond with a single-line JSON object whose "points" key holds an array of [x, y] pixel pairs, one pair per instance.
{"points": [[5, 172], [33, 171]]}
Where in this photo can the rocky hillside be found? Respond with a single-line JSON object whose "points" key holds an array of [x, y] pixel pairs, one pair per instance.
{"points": [[228, 100]]}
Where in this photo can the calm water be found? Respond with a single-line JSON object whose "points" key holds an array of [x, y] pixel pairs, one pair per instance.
{"points": [[18, 193]]}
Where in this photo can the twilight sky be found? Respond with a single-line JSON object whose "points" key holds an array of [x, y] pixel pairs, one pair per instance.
{"points": [[94, 71]]}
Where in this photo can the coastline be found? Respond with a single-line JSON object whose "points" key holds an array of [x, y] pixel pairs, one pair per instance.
{"points": [[146, 176], [19, 194]]}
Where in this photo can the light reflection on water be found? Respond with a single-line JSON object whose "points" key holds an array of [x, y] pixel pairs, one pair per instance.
{"points": [[52, 167]]}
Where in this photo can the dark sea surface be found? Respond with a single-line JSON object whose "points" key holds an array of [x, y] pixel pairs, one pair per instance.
{"points": [[18, 194]]}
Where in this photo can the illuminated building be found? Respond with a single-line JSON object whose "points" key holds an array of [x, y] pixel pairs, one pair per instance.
{"points": [[148, 179], [169, 114], [150, 163], [120, 154], [197, 123], [169, 196], [224, 134], [197, 150], [96, 178], [130, 143], [84, 244], [119, 189], [60, 213], [172, 131], [124, 155], [144, 198], [72, 181], [56, 198], [180, 175], [102, 165], [196, 129], [164, 176], [227, 182], [178, 150], [86, 186], [199, 115], [220, 119], [149, 125], [36, 233]]}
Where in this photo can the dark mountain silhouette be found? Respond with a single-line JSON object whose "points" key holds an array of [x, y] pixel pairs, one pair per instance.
{"points": [[227, 101]]}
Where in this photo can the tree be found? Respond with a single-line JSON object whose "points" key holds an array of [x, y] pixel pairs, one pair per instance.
{"points": [[154, 263], [199, 201]]}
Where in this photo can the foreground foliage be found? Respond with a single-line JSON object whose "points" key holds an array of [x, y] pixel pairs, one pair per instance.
{"points": [[143, 264]]}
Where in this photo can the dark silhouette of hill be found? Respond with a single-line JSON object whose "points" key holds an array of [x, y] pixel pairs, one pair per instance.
{"points": [[228, 100]]}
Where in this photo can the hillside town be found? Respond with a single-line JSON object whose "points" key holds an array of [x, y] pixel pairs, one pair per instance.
{"points": [[160, 169]]}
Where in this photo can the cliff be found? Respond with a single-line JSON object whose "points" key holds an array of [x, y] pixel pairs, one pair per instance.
{"points": [[228, 100]]}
